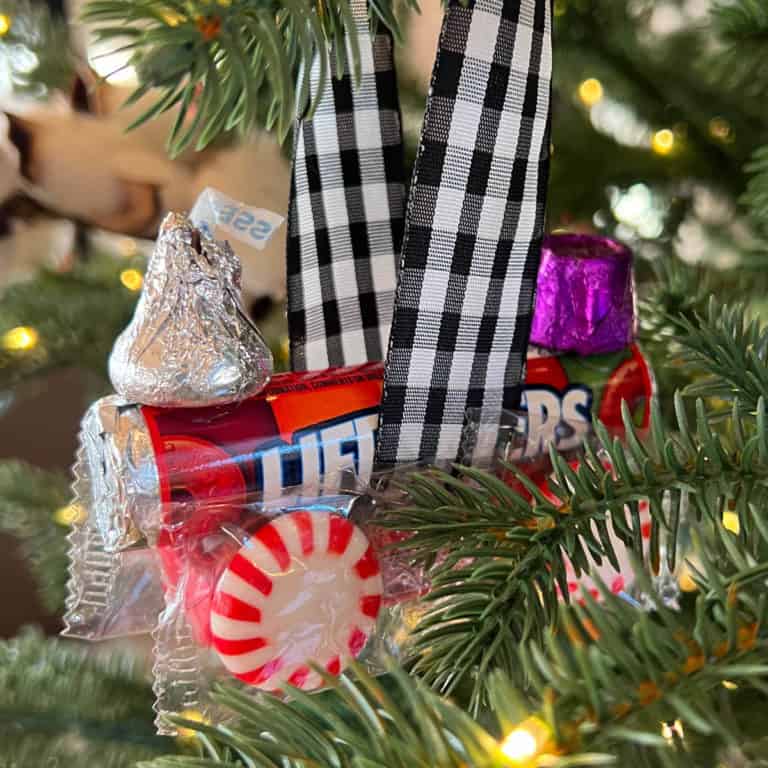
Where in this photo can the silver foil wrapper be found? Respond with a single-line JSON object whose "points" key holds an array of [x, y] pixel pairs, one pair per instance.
{"points": [[116, 480], [191, 342], [112, 593]]}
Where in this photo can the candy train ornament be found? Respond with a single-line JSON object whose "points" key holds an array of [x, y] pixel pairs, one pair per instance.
{"points": [[190, 342]]}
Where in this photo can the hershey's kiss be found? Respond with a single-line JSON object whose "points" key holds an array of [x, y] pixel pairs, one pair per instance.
{"points": [[190, 342]]}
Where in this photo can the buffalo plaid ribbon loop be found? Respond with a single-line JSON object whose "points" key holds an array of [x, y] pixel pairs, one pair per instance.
{"points": [[345, 220], [473, 229]]}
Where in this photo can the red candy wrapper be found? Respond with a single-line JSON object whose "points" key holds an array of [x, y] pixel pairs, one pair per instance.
{"points": [[303, 431]]}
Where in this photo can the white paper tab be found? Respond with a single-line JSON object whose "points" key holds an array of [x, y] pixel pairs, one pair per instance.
{"points": [[223, 218]]}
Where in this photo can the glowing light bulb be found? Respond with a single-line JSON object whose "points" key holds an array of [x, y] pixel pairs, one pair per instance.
{"points": [[663, 141], [671, 731], [66, 516], [5, 24], [20, 339], [172, 18], [591, 92], [720, 129], [519, 745], [729, 685], [731, 522], [132, 279], [686, 582], [196, 716]]}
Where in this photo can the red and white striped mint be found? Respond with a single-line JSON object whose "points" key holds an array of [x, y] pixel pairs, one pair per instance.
{"points": [[305, 588], [617, 581]]}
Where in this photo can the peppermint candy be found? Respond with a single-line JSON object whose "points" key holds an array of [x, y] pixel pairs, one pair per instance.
{"points": [[305, 588]]}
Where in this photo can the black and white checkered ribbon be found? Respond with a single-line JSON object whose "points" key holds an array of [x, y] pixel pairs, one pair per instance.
{"points": [[465, 290], [345, 223], [473, 231]]}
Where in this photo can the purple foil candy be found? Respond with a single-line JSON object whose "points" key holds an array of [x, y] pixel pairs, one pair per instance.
{"points": [[585, 297]]}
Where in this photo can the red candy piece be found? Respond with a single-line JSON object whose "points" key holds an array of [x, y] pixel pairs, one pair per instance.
{"points": [[545, 372], [631, 382]]}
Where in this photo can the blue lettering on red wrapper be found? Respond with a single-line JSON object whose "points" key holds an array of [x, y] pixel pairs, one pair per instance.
{"points": [[318, 457], [562, 418]]}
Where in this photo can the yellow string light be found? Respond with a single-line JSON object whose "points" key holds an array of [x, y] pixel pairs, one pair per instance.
{"points": [[69, 515], [526, 743], [172, 18], [5, 24], [729, 685], [591, 92], [731, 522], [132, 279], [196, 716], [20, 339], [720, 129], [685, 581], [663, 141], [520, 745], [671, 731]]}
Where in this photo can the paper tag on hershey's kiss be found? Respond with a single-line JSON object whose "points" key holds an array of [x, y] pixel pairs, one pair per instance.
{"points": [[223, 218]]}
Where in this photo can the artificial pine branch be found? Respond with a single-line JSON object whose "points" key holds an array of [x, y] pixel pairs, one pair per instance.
{"points": [[391, 723], [743, 29], [500, 580], [677, 290], [227, 59], [596, 691], [29, 499], [74, 315], [732, 350], [59, 706], [756, 196]]}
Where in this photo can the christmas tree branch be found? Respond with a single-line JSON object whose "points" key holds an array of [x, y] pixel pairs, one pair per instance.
{"points": [[756, 195], [70, 318], [614, 685], [743, 29], [225, 59], [731, 349], [33, 509], [59, 704], [503, 572]]}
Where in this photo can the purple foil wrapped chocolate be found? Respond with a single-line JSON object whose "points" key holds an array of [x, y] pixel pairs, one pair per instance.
{"points": [[585, 297]]}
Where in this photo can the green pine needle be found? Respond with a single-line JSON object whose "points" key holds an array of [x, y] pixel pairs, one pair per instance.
{"points": [[77, 315], [731, 350], [596, 693]]}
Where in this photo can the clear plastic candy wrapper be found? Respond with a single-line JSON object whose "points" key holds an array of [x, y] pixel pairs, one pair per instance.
{"points": [[523, 452], [139, 468], [141, 472], [261, 592]]}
